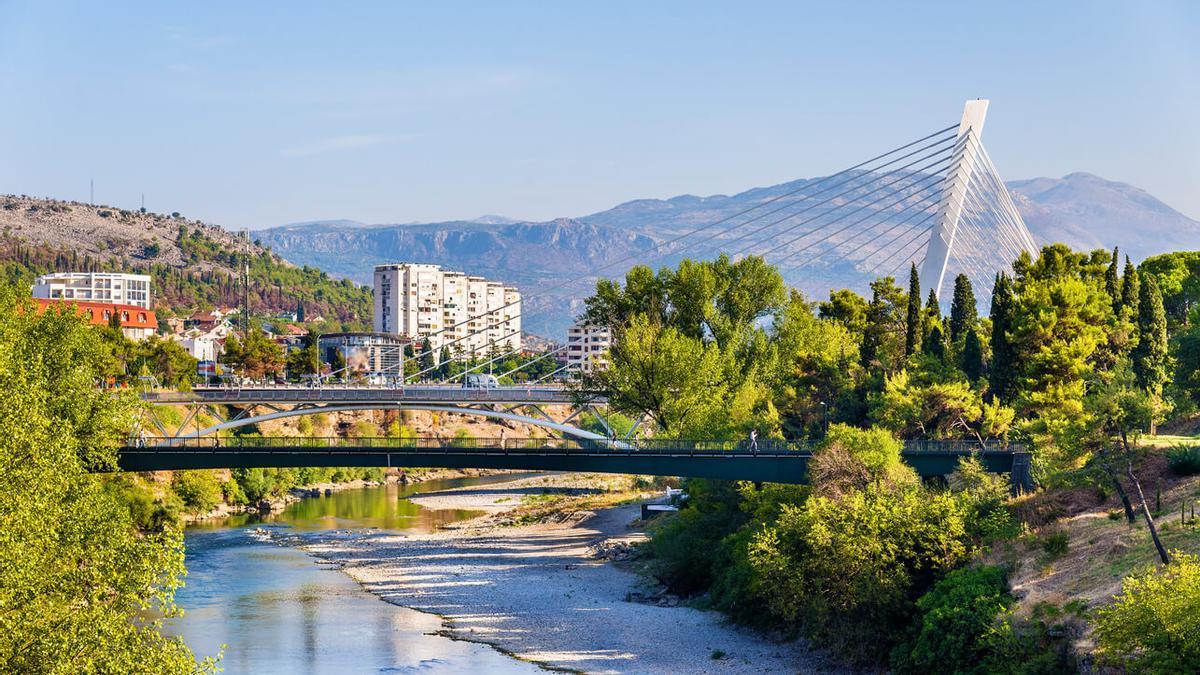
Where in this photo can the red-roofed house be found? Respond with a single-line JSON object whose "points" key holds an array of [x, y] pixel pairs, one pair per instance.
{"points": [[137, 323]]}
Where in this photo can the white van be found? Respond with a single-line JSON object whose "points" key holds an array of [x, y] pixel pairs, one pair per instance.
{"points": [[480, 381]]}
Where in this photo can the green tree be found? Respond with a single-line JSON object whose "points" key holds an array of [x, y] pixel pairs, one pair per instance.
{"points": [[1004, 370], [1150, 353], [168, 361], [1129, 288], [912, 324], [1112, 282], [972, 356], [199, 490], [307, 359], [79, 577], [849, 569], [935, 343], [963, 313], [1154, 624]]}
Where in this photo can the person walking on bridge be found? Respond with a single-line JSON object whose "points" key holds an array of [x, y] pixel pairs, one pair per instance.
{"points": [[754, 439]]}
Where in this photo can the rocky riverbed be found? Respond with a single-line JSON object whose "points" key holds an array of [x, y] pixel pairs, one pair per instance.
{"points": [[550, 592]]}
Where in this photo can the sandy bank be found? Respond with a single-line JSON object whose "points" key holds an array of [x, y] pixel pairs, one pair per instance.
{"points": [[539, 593]]}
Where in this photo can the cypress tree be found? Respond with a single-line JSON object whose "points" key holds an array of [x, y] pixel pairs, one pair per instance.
{"points": [[1150, 354], [935, 344], [912, 326], [1129, 288], [1002, 376], [933, 312], [962, 309], [1112, 284], [972, 356]]}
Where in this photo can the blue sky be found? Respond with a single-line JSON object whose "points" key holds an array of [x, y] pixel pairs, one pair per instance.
{"points": [[257, 114]]}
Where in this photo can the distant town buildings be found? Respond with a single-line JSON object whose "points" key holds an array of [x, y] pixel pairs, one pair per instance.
{"points": [[370, 354], [111, 287], [137, 323], [586, 345], [470, 315]]}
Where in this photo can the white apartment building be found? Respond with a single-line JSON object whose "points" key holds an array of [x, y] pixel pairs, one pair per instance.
{"points": [[470, 315], [586, 345], [115, 288]]}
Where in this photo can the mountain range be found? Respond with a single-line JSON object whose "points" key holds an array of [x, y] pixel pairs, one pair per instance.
{"points": [[555, 262]]}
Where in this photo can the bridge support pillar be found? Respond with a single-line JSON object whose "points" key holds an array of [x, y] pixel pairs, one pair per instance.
{"points": [[1021, 476], [954, 194]]}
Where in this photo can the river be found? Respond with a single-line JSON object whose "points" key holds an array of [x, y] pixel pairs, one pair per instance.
{"points": [[275, 609]]}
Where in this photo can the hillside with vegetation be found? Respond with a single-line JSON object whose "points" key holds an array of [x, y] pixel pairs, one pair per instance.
{"points": [[1081, 359], [194, 265]]}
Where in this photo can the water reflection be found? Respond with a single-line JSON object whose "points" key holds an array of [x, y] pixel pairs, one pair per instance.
{"points": [[277, 610]]}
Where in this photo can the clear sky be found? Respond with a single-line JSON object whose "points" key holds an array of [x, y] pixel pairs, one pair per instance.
{"points": [[252, 114]]}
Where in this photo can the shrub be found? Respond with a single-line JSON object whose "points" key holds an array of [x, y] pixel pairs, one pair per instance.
{"points": [[1056, 545], [199, 490], [1154, 624], [1184, 459], [956, 618], [849, 570]]}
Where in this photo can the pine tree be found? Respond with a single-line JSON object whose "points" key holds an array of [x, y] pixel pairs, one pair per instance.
{"points": [[963, 313], [1112, 284], [1003, 374], [1129, 288], [1150, 354], [972, 355], [912, 326]]}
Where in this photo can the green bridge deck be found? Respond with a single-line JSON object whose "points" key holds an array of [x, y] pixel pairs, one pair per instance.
{"points": [[771, 461]]}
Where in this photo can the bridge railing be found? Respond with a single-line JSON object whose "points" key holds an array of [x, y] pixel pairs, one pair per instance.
{"points": [[351, 393], [527, 445]]}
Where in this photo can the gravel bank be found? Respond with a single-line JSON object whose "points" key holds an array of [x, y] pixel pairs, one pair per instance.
{"points": [[539, 593]]}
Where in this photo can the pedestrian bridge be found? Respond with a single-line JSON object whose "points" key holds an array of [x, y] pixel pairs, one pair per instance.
{"points": [[772, 461]]}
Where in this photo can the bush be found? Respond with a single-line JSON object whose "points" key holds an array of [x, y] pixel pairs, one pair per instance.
{"points": [[1184, 459], [256, 484], [849, 570], [199, 490], [1056, 545], [956, 618], [1154, 624]]}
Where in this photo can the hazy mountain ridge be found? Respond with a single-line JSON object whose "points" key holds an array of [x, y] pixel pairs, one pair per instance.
{"points": [[1080, 209]]}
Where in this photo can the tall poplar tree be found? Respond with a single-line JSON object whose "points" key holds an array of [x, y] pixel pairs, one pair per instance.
{"points": [[1002, 376], [963, 313], [912, 327]]}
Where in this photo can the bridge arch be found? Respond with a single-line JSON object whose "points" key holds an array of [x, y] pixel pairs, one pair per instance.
{"points": [[483, 412]]}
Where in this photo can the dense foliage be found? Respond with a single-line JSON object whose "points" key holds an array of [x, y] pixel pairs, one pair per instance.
{"points": [[79, 578], [1074, 359], [209, 278], [1154, 625]]}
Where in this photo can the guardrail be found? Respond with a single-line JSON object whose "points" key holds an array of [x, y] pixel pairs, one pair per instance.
{"points": [[449, 394], [535, 445]]}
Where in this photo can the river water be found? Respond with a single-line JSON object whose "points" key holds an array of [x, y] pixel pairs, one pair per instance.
{"points": [[276, 609]]}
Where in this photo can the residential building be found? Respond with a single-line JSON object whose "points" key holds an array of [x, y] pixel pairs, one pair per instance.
{"points": [[110, 287], [201, 347], [369, 354], [470, 315], [137, 323], [586, 347]]}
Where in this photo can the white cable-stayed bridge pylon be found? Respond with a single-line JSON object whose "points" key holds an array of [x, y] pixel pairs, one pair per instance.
{"points": [[937, 202]]}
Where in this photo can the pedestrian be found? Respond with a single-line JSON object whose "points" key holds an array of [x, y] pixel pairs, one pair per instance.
{"points": [[754, 439]]}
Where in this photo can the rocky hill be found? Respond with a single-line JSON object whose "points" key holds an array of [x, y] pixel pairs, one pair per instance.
{"points": [[109, 234], [193, 263]]}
